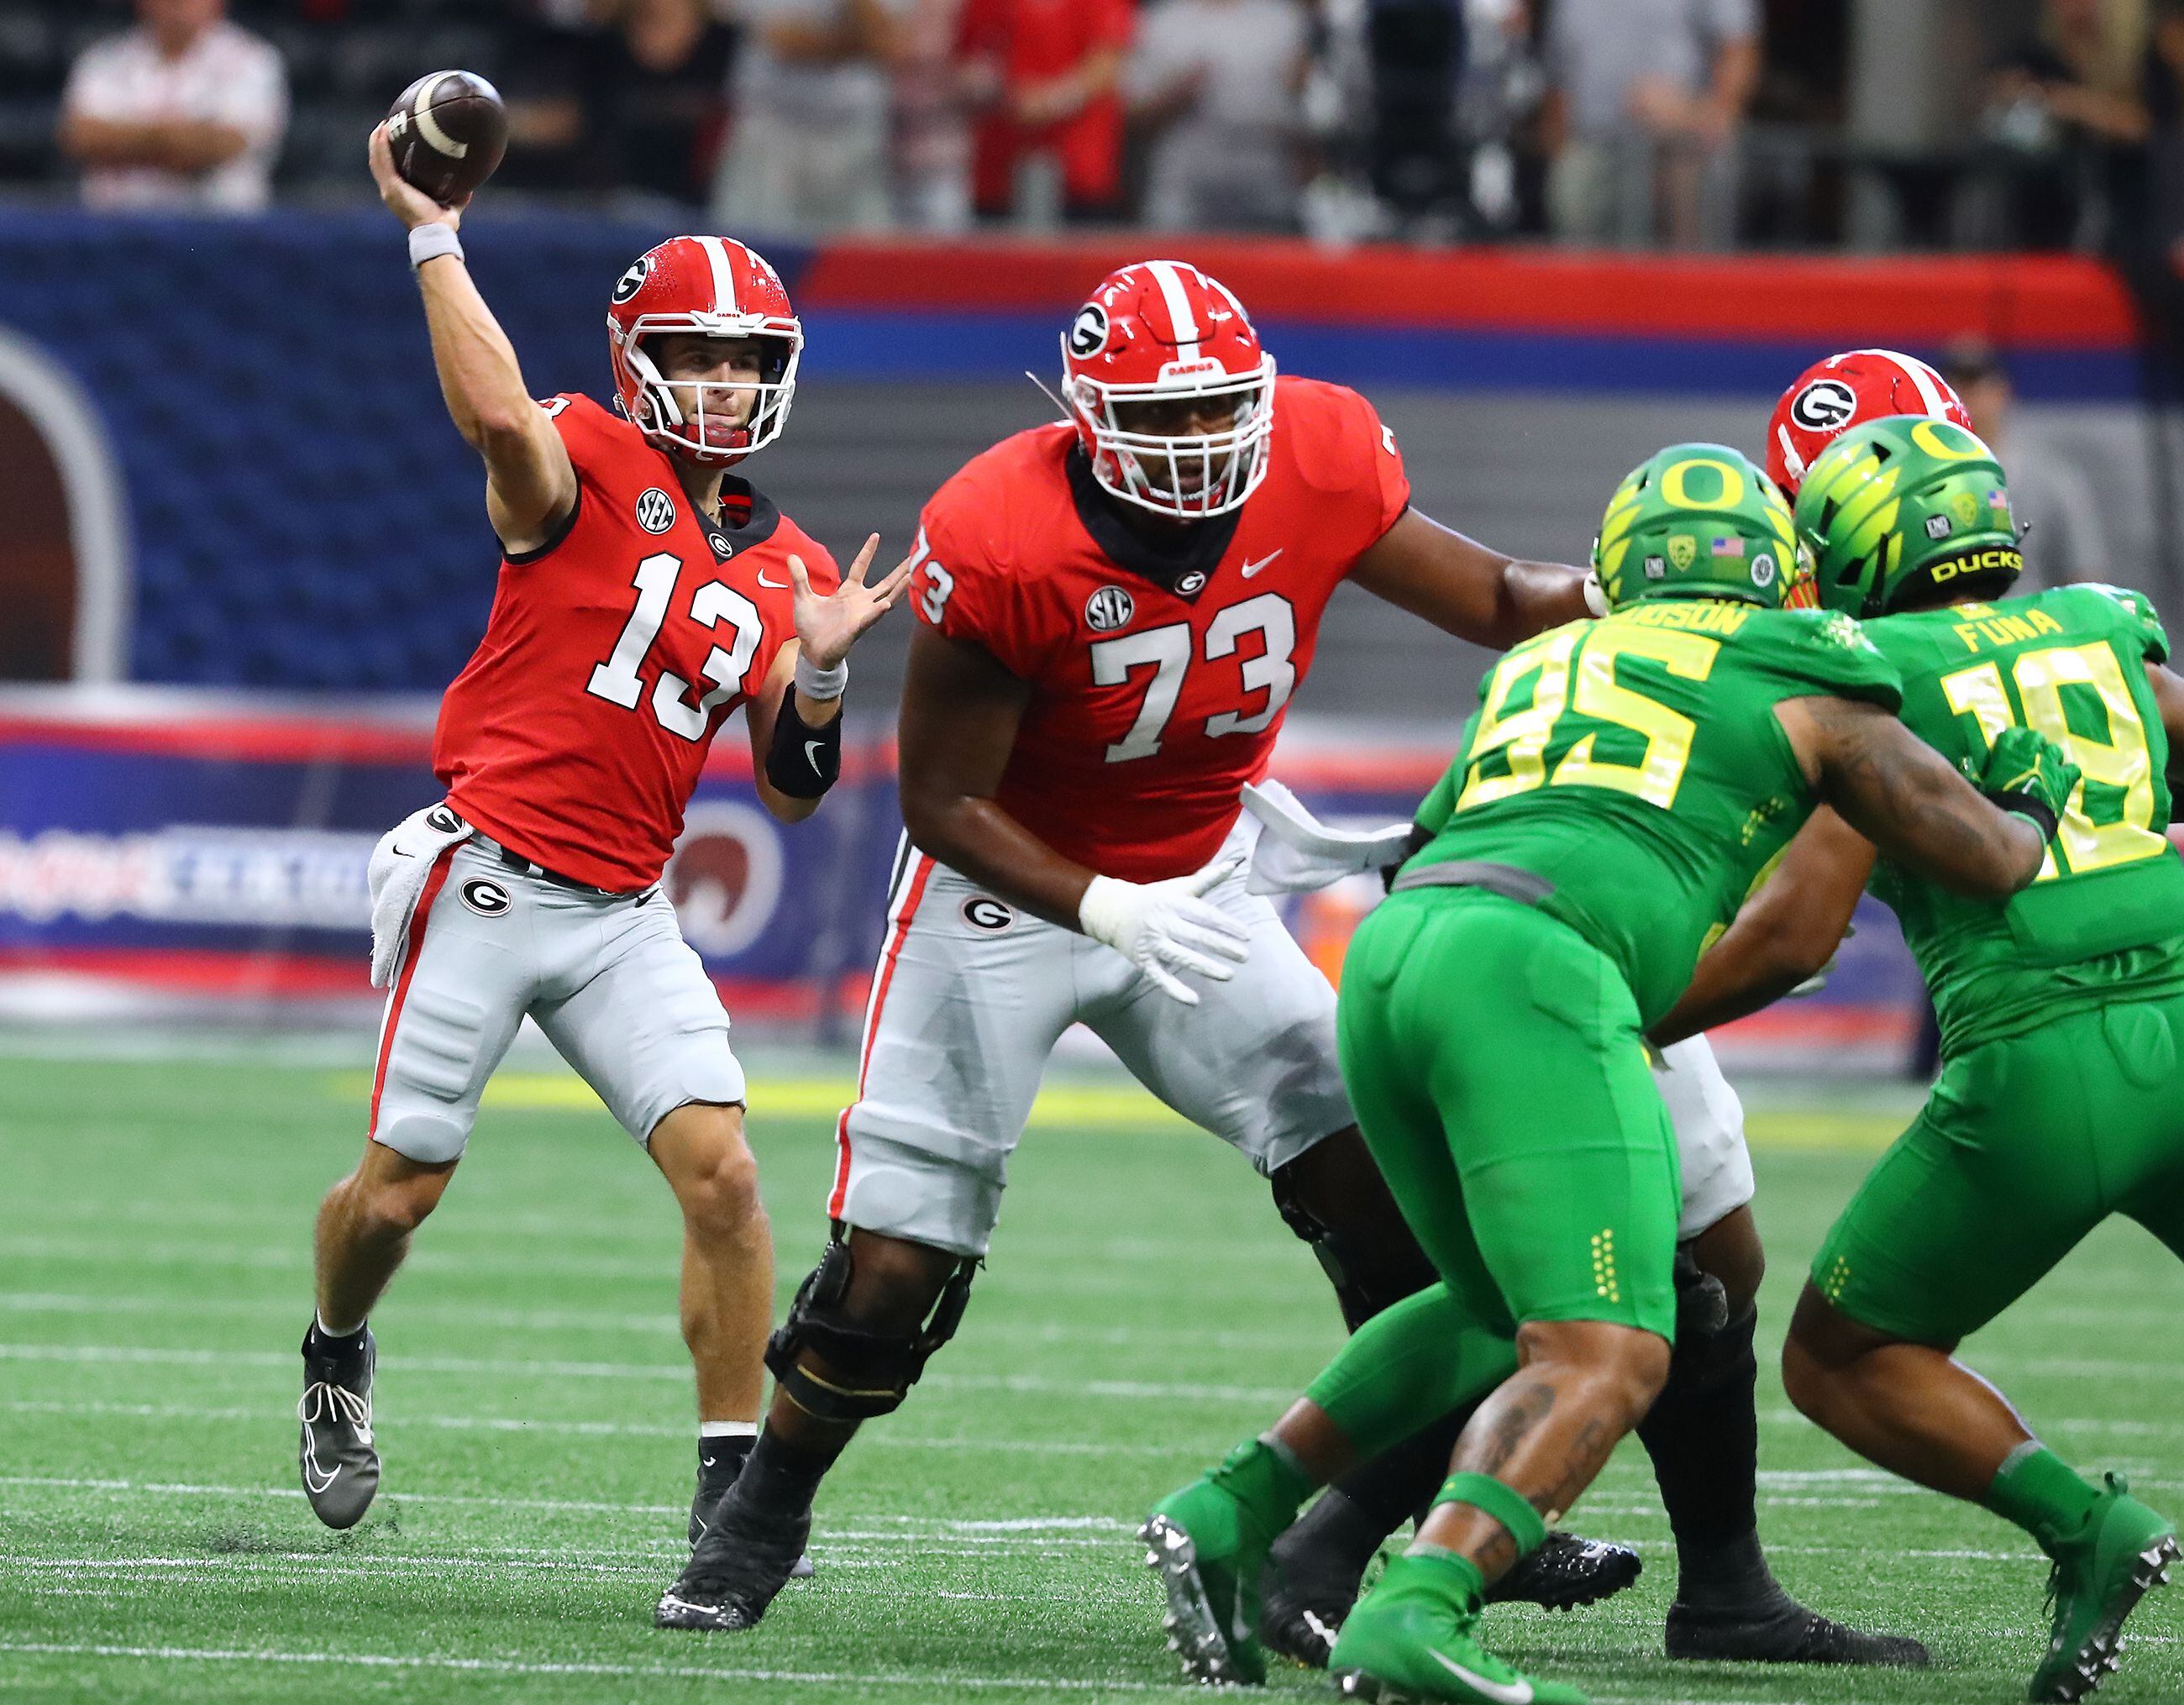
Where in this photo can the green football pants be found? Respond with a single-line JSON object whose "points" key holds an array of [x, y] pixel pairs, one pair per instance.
{"points": [[1494, 1061], [2026, 1144]]}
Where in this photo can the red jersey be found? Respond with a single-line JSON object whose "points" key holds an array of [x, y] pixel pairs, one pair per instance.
{"points": [[576, 732], [1159, 682], [1037, 40]]}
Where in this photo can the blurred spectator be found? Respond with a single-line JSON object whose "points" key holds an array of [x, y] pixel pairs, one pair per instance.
{"points": [[1218, 83], [185, 110], [808, 127], [932, 137], [2051, 498], [1047, 73], [2066, 109], [1417, 51], [1648, 97], [626, 98]]}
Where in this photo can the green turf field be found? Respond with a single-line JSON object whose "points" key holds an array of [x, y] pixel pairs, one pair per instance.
{"points": [[1145, 1309]]}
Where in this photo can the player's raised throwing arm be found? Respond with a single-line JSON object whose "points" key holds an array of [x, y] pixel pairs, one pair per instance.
{"points": [[1464, 589], [1904, 797], [530, 486]]}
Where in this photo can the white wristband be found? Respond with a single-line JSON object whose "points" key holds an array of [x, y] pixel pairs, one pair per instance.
{"points": [[429, 242], [815, 683], [1104, 908]]}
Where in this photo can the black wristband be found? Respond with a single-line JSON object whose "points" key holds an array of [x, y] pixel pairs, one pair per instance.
{"points": [[2025, 806], [1421, 838], [803, 762]]}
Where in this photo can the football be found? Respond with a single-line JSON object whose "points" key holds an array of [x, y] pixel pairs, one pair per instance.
{"points": [[447, 131]]}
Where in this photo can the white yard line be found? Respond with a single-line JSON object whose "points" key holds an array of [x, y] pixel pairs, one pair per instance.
{"points": [[393, 1420], [1133, 1391], [509, 1666]]}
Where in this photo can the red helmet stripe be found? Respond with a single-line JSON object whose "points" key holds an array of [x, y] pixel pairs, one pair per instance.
{"points": [[724, 275], [1178, 307]]}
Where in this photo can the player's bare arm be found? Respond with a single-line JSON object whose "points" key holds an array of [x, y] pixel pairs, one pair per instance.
{"points": [[1904, 796], [827, 627], [1464, 589], [1782, 935], [960, 710], [531, 485]]}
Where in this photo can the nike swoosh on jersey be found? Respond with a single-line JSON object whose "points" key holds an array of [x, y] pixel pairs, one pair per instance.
{"points": [[1519, 1693], [777, 585], [1252, 568]]}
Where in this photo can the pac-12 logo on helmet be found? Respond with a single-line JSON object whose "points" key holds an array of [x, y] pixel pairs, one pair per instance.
{"points": [[1170, 392], [1830, 397], [715, 287]]}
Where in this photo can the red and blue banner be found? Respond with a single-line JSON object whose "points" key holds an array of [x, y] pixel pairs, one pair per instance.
{"points": [[160, 847]]}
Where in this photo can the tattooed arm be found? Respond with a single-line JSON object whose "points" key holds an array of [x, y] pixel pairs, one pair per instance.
{"points": [[1904, 797]]}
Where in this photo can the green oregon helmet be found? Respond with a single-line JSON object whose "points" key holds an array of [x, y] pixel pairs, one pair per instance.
{"points": [[1697, 520], [1903, 506]]}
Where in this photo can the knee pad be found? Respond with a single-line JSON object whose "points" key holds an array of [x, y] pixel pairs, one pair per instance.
{"points": [[1364, 1282], [868, 1372]]}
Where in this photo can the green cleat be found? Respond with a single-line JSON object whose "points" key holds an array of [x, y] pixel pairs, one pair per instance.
{"points": [[1208, 1547], [1412, 1640], [2097, 1579]]}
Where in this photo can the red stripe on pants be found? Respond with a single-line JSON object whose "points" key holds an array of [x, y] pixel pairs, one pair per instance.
{"points": [[900, 928]]}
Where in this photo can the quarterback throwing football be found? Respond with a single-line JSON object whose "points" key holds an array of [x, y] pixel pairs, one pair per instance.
{"points": [[646, 593]]}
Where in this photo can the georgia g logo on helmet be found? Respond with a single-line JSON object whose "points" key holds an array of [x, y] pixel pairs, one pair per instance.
{"points": [[1088, 333], [632, 281], [1823, 405]]}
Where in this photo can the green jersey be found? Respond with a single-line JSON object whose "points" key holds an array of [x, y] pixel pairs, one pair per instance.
{"points": [[2104, 919], [1637, 765]]}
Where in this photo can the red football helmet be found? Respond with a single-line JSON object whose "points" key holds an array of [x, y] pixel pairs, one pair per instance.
{"points": [[1832, 396], [716, 287], [1161, 333]]}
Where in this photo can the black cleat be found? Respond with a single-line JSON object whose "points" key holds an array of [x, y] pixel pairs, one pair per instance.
{"points": [[1567, 1572], [715, 1475], [1301, 1612], [734, 1571], [340, 1466], [1781, 1631]]}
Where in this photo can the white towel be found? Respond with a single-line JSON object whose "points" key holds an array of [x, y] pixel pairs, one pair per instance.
{"points": [[399, 865], [1296, 852]]}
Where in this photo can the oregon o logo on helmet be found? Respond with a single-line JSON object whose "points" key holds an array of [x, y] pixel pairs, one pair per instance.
{"points": [[486, 898], [1088, 333], [983, 912], [1825, 405], [1949, 441], [655, 511], [632, 281], [1108, 609]]}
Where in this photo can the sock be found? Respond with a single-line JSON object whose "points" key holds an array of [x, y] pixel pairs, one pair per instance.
{"points": [[721, 1454], [1407, 1367], [1324, 1553], [1432, 1571], [325, 1343], [777, 1482], [2042, 1494], [1263, 1477], [1702, 1433]]}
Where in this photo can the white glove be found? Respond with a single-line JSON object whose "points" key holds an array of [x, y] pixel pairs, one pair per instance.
{"points": [[1595, 596], [400, 863], [1164, 927], [1296, 852]]}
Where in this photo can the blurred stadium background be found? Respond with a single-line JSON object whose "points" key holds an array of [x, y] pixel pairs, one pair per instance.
{"points": [[242, 549]]}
